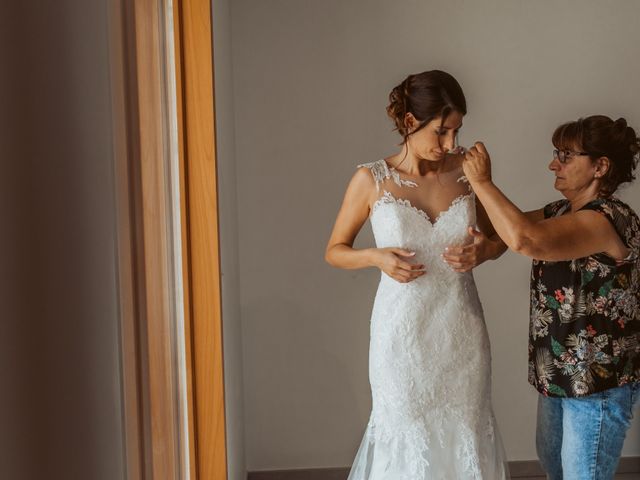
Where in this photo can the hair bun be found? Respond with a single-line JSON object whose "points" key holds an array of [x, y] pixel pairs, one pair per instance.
{"points": [[620, 125], [406, 84], [622, 135], [627, 136], [397, 108]]}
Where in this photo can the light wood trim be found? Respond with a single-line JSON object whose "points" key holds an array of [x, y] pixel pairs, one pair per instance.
{"points": [[200, 214], [129, 350], [152, 220], [151, 251], [186, 272], [151, 381]]}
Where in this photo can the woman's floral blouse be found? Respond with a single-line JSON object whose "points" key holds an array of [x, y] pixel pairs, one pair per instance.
{"points": [[584, 333]]}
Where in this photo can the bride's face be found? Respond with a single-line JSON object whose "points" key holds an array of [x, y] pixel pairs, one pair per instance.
{"points": [[436, 138]]}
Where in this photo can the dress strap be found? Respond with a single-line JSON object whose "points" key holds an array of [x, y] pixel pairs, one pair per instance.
{"points": [[381, 171], [464, 179]]}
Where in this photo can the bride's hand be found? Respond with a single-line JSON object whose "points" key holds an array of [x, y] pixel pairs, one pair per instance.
{"points": [[477, 164], [392, 261], [464, 259]]}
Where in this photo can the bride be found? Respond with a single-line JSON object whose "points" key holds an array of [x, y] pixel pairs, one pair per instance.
{"points": [[429, 359]]}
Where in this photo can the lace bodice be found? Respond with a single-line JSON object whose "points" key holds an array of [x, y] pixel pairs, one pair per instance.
{"points": [[397, 222]]}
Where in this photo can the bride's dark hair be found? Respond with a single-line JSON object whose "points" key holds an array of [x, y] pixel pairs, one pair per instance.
{"points": [[426, 96]]}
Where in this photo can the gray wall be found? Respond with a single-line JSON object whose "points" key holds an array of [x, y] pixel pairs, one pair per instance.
{"points": [[310, 86], [228, 210], [60, 398]]}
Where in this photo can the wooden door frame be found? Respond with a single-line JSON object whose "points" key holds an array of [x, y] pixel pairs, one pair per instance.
{"points": [[172, 371], [196, 113]]}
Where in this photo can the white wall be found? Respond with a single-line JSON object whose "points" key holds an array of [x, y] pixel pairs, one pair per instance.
{"points": [[60, 403], [310, 85], [228, 210]]}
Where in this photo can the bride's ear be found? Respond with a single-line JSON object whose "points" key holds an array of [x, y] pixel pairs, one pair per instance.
{"points": [[410, 122]]}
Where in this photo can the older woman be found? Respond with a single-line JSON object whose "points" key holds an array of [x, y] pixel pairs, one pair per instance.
{"points": [[584, 345]]}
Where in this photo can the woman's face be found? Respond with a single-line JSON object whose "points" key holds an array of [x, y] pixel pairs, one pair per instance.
{"points": [[575, 174], [436, 138]]}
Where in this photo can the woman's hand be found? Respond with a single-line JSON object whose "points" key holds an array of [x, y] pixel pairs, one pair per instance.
{"points": [[464, 259], [393, 262], [477, 164]]}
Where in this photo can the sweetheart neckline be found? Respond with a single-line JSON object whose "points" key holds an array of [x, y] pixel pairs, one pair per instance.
{"points": [[387, 197]]}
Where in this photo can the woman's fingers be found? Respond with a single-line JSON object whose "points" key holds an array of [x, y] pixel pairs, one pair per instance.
{"points": [[479, 146]]}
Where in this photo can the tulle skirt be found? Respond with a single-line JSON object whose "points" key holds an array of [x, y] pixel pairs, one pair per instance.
{"points": [[456, 452]]}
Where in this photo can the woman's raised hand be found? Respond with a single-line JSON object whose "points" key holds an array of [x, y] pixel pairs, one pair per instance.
{"points": [[393, 262], [477, 164]]}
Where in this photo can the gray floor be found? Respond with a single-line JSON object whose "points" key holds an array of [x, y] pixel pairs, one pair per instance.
{"points": [[336, 474], [622, 476], [521, 470]]}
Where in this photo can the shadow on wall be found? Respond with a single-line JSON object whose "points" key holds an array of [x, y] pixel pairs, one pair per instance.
{"points": [[277, 365], [60, 371]]}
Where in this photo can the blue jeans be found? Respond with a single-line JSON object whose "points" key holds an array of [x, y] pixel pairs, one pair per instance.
{"points": [[581, 438]]}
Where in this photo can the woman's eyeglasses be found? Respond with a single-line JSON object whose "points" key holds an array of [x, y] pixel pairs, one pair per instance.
{"points": [[563, 155]]}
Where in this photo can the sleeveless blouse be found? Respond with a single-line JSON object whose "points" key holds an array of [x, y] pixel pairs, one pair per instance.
{"points": [[584, 334]]}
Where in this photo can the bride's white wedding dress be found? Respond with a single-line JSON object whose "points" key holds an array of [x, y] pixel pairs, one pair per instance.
{"points": [[429, 360]]}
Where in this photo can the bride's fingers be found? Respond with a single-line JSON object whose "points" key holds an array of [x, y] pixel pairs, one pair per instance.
{"points": [[404, 276], [458, 255], [399, 277], [466, 261], [460, 259], [457, 262], [407, 266], [415, 273], [463, 269], [450, 259], [410, 266]]}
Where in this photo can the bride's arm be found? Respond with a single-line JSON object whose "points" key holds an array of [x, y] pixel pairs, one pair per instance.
{"points": [[351, 217], [495, 246], [486, 245]]}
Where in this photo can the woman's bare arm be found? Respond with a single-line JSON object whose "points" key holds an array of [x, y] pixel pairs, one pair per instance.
{"points": [[571, 236]]}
